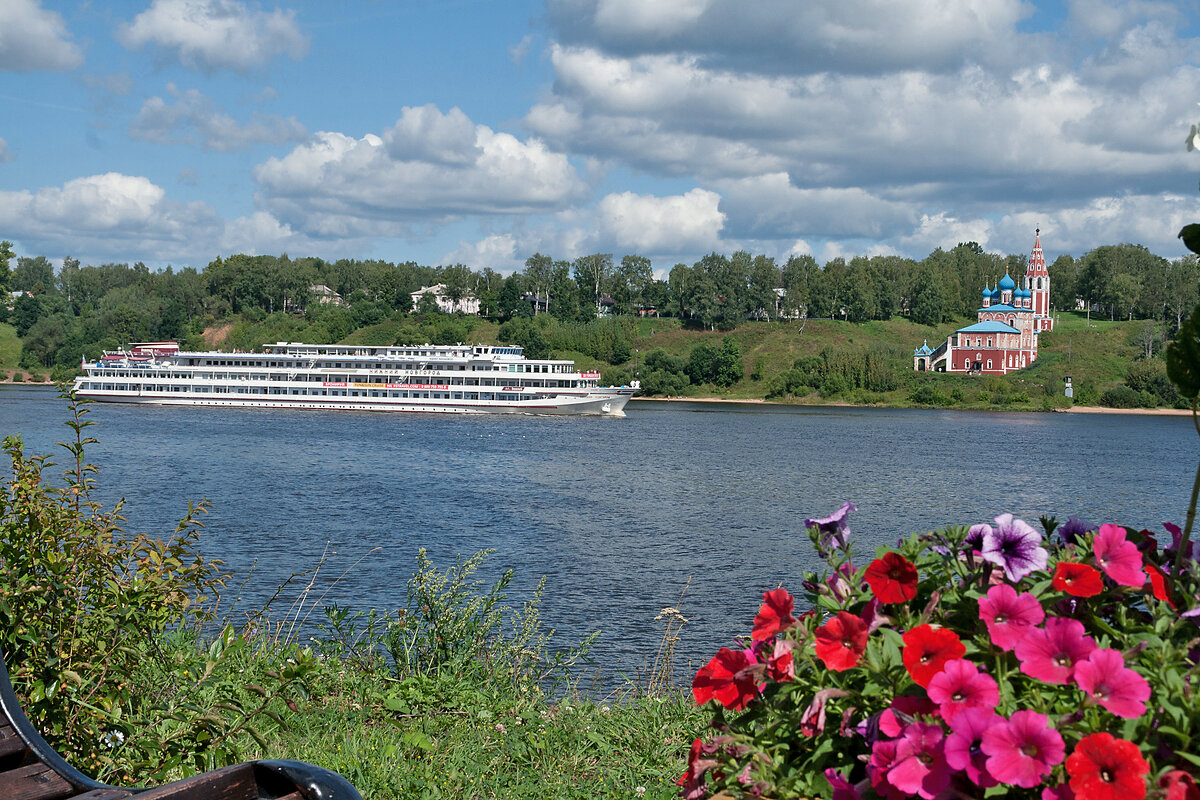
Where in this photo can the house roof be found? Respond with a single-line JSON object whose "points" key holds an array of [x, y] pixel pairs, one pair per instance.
{"points": [[991, 326]]}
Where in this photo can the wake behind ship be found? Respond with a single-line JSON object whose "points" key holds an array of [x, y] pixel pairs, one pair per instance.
{"points": [[462, 379]]}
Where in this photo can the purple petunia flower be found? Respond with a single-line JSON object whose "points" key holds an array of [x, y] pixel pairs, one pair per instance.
{"points": [[1014, 546], [1075, 529], [1176, 539], [974, 540], [834, 529]]}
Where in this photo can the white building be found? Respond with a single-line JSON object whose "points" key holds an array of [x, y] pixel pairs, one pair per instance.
{"points": [[466, 305]]}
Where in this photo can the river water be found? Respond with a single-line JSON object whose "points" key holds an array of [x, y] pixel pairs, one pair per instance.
{"points": [[617, 514]]}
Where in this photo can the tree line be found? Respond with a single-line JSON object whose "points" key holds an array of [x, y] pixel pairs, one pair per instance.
{"points": [[62, 315]]}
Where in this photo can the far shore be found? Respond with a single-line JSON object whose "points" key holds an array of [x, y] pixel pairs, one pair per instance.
{"points": [[1159, 412]]}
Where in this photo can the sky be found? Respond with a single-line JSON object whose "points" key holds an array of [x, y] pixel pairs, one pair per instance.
{"points": [[457, 131]]}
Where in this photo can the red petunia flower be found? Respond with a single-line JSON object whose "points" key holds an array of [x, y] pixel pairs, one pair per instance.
{"points": [[892, 578], [1106, 768], [726, 680], [841, 641], [927, 649], [780, 664], [1158, 584], [1079, 580], [774, 616], [1179, 786]]}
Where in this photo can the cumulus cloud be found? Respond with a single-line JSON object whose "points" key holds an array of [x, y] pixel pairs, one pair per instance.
{"points": [[428, 167], [498, 251], [106, 214], [771, 206], [210, 35], [782, 36], [684, 223], [32, 38], [5, 155], [195, 119]]}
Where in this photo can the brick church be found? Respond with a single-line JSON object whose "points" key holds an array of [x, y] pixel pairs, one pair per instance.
{"points": [[1006, 336]]}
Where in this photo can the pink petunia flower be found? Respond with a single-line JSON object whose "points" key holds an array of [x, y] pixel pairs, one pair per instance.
{"points": [[894, 719], [1110, 683], [1051, 653], [883, 756], [1008, 615], [961, 685], [1023, 749], [842, 788], [920, 766], [1060, 792], [963, 744], [1119, 558]]}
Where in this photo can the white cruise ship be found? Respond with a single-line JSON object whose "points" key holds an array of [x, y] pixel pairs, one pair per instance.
{"points": [[461, 379]]}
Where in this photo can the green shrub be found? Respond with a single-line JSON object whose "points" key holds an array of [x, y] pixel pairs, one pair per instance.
{"points": [[1120, 397], [88, 619], [927, 395], [18, 377]]}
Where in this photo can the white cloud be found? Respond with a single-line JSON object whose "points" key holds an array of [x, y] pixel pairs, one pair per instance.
{"points": [[196, 120], [5, 155], [32, 38], [498, 251], [783, 36], [770, 206], [105, 215], [216, 34], [335, 185], [685, 223]]}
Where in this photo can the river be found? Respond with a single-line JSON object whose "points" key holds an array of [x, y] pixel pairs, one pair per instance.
{"points": [[617, 514]]}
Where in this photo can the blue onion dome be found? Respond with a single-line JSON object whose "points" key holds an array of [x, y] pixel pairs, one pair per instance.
{"points": [[1007, 283], [986, 291], [1025, 293]]}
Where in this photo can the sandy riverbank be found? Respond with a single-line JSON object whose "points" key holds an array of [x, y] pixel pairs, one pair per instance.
{"points": [[1158, 412]]}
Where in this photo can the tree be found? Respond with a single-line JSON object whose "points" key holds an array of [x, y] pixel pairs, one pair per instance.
{"points": [[539, 274], [6, 253], [764, 279], [592, 274], [1064, 277], [34, 275], [798, 272], [634, 275]]}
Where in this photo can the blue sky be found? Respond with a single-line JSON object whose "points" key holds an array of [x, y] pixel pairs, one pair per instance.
{"points": [[174, 131]]}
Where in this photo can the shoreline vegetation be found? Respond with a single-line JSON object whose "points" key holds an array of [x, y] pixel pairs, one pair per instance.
{"points": [[126, 661], [1158, 412]]}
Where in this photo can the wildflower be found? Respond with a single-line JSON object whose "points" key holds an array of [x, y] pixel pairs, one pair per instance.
{"points": [[963, 750], [1022, 749], [1179, 786], [1158, 584], [927, 649], [1110, 683], [1118, 557], [500, 728], [960, 685], [781, 665], [1106, 768], [834, 529], [892, 578], [1051, 653], [1008, 615], [1078, 580], [640, 791], [920, 765], [724, 679], [841, 641], [1015, 547], [775, 614]]}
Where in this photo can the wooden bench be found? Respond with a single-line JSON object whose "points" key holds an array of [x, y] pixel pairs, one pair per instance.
{"points": [[31, 770]]}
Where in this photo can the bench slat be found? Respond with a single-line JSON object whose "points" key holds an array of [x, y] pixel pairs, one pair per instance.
{"points": [[10, 743], [227, 783], [33, 782], [103, 794]]}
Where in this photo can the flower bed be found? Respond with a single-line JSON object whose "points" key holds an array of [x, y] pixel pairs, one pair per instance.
{"points": [[986, 660]]}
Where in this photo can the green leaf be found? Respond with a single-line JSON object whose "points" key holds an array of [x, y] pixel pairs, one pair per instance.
{"points": [[1183, 354], [1191, 235]]}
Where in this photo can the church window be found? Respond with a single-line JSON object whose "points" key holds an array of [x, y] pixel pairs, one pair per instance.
{"points": [[989, 363], [1039, 283]]}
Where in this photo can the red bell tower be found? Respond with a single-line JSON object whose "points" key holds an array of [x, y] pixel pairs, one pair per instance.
{"points": [[1039, 285]]}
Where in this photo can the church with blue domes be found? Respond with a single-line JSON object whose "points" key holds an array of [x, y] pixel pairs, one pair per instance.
{"points": [[1005, 338]]}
